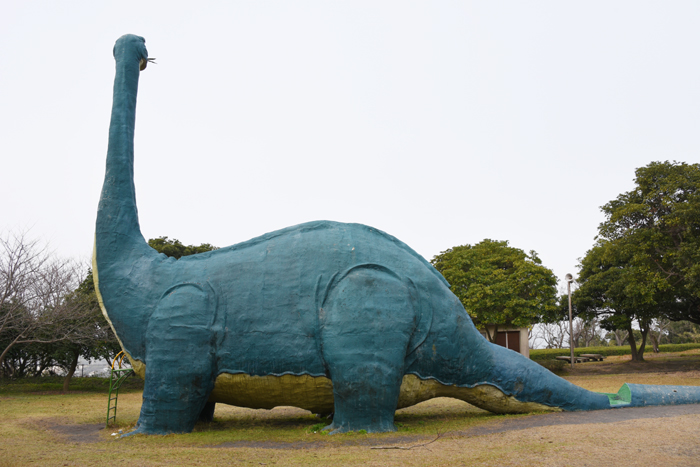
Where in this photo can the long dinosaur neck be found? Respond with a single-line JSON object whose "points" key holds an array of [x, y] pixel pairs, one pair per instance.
{"points": [[118, 233], [122, 260]]}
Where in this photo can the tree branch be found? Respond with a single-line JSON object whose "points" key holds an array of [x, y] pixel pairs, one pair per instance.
{"points": [[439, 435]]}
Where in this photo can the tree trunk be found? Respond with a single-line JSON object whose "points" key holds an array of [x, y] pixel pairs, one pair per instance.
{"points": [[41, 365], [644, 329], [7, 370], [619, 338], [654, 342], [492, 338], [66, 380], [638, 353], [636, 357], [22, 367], [656, 335], [562, 334], [7, 349]]}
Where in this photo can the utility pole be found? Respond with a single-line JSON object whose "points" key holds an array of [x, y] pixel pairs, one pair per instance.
{"points": [[569, 279]]}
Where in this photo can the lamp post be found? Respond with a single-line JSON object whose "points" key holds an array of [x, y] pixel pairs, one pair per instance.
{"points": [[569, 279]]}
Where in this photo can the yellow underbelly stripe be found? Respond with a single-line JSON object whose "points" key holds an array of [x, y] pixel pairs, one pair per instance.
{"points": [[315, 393]]}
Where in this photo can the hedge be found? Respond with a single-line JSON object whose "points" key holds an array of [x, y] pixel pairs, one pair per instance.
{"points": [[55, 384], [551, 354]]}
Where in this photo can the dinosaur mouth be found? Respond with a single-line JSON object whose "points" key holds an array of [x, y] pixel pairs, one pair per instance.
{"points": [[145, 61]]}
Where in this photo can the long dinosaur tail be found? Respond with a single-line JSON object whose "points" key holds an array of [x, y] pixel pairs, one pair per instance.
{"points": [[528, 381], [457, 361], [640, 395]]}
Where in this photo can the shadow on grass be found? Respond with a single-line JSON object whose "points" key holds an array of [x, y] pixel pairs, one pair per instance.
{"points": [[227, 424]]}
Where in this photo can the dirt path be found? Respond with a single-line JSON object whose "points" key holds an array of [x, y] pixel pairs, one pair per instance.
{"points": [[92, 433], [661, 364], [48, 432], [582, 418]]}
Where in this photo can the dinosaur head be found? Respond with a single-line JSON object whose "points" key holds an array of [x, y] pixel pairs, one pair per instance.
{"points": [[132, 47]]}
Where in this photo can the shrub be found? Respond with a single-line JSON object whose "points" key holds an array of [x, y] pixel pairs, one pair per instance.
{"points": [[555, 366], [540, 355]]}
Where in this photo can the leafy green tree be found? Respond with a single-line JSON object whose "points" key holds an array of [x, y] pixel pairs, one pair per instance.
{"points": [[614, 290], [498, 284], [645, 264], [682, 332], [656, 226], [175, 249]]}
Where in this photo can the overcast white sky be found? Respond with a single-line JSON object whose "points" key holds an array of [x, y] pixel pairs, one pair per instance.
{"points": [[441, 123]]}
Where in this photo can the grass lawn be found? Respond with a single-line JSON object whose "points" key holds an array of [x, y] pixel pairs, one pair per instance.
{"points": [[40, 426]]}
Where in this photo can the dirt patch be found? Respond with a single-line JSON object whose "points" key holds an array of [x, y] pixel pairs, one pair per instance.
{"points": [[500, 426], [365, 441], [70, 433], [79, 433], [582, 418]]}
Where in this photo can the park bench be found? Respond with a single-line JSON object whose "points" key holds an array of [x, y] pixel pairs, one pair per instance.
{"points": [[576, 359], [594, 356]]}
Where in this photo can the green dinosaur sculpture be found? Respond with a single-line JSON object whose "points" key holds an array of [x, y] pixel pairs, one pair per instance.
{"points": [[325, 316]]}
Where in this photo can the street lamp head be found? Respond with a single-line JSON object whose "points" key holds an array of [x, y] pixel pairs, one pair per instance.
{"points": [[569, 278]]}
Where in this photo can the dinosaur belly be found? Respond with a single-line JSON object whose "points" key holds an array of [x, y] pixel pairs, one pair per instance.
{"points": [[316, 393], [265, 392], [484, 396]]}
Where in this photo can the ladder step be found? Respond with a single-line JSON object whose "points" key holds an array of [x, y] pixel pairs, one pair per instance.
{"points": [[116, 378]]}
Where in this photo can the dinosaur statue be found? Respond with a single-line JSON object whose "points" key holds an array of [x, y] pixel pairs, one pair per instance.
{"points": [[329, 317]]}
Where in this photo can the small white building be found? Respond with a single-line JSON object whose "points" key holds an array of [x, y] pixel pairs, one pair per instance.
{"points": [[512, 338]]}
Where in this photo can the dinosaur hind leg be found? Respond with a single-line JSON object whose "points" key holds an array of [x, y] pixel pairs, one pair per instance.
{"points": [[207, 413], [179, 362], [367, 321]]}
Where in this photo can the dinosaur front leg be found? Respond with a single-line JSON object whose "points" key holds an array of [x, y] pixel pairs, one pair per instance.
{"points": [[179, 363], [367, 323]]}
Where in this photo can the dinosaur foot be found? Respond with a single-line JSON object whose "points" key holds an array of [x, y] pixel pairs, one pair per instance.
{"points": [[138, 430], [347, 427]]}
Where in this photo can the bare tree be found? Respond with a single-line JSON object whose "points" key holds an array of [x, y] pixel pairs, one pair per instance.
{"points": [[656, 332], [93, 337], [35, 287], [553, 334], [587, 333], [556, 335], [620, 336]]}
